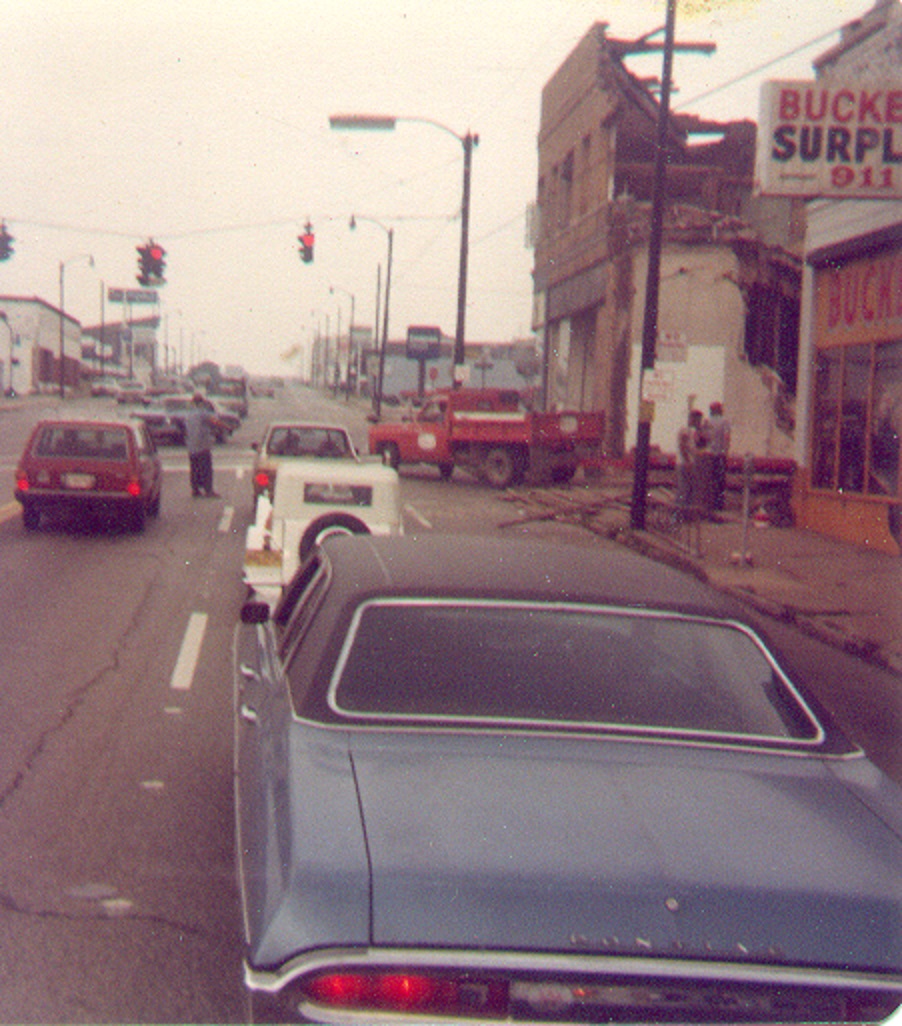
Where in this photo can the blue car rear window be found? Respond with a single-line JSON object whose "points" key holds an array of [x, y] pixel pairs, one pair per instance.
{"points": [[567, 665]]}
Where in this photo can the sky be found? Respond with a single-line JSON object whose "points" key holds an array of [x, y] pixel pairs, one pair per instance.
{"points": [[204, 124]]}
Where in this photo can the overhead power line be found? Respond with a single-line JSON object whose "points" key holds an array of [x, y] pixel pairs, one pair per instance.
{"points": [[756, 70]]}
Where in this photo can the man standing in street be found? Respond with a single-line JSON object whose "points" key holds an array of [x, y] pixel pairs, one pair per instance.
{"points": [[199, 438], [718, 434]]}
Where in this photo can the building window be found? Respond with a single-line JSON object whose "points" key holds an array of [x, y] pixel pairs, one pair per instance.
{"points": [[886, 420], [858, 419], [566, 191], [852, 430], [827, 378], [772, 332]]}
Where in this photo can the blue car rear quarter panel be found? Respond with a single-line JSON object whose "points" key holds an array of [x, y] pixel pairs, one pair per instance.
{"points": [[321, 884], [484, 840]]}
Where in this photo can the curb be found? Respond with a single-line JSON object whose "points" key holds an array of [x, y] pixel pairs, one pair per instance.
{"points": [[865, 649]]}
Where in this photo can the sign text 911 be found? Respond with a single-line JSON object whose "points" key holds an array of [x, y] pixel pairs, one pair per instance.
{"points": [[836, 140]]}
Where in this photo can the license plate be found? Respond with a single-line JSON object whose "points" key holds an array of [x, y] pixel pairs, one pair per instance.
{"points": [[76, 480]]}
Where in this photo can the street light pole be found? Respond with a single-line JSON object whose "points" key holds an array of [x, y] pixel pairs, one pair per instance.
{"points": [[350, 295], [469, 141], [390, 232], [10, 391], [63, 265], [383, 123]]}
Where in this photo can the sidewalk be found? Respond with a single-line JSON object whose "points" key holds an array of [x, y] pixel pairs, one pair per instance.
{"points": [[847, 596]]}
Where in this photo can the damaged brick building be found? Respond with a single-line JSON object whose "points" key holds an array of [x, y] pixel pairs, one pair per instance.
{"points": [[731, 264]]}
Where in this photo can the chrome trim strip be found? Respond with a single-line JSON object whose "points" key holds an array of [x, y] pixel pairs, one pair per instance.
{"points": [[725, 739], [447, 959]]}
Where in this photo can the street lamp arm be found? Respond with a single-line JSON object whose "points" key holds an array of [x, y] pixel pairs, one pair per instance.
{"points": [[438, 124], [388, 123]]}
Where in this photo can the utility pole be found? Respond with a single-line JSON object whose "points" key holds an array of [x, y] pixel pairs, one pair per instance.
{"points": [[652, 283]]}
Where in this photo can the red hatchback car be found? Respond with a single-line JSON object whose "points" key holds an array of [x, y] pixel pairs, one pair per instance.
{"points": [[88, 467]]}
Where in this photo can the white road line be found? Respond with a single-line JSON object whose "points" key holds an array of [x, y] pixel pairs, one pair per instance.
{"points": [[418, 516], [183, 673], [8, 511], [225, 521]]}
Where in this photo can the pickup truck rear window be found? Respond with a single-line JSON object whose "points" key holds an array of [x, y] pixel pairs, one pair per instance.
{"points": [[559, 665]]}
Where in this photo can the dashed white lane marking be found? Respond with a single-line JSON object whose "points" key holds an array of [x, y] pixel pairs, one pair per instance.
{"points": [[412, 511], [225, 521], [186, 663]]}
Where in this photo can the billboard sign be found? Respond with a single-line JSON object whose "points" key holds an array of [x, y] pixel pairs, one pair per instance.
{"points": [[424, 342], [836, 140], [132, 295]]}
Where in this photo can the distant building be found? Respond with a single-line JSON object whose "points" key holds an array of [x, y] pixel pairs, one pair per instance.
{"points": [[125, 349], [513, 364], [35, 329], [730, 269]]}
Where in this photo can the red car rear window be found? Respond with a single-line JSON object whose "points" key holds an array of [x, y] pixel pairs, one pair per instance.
{"points": [[66, 440]]}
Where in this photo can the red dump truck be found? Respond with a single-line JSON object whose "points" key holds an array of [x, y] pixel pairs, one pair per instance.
{"points": [[488, 431]]}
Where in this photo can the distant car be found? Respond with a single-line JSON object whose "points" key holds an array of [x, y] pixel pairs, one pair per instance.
{"points": [[296, 440], [104, 387], [131, 392], [87, 468], [165, 420], [231, 393], [483, 781], [315, 499], [228, 419]]}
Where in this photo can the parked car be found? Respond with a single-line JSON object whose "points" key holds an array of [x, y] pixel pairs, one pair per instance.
{"points": [[296, 440], [484, 780], [104, 387], [90, 467], [131, 392], [313, 500]]}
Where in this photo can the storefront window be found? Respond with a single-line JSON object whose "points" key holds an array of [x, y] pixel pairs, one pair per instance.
{"points": [[853, 429], [826, 407], [886, 420]]}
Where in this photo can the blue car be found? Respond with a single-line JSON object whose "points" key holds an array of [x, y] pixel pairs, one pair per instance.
{"points": [[486, 780]]}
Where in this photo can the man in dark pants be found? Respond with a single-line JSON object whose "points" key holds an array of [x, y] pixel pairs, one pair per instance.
{"points": [[199, 438], [718, 434]]}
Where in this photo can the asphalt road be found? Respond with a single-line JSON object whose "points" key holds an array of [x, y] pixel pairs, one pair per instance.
{"points": [[117, 893]]}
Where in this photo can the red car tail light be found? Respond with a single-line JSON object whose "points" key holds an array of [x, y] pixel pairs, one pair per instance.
{"points": [[134, 488], [399, 992], [22, 482], [263, 480]]}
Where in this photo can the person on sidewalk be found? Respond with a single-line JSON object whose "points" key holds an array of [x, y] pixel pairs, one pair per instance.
{"points": [[717, 432], [199, 438], [689, 441]]}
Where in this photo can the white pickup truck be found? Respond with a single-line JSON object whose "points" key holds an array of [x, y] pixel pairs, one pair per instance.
{"points": [[312, 500]]}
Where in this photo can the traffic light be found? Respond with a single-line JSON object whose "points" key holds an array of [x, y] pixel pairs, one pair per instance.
{"points": [[306, 240], [151, 264], [6, 242]]}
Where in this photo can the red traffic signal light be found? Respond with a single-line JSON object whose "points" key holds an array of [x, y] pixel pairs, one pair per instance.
{"points": [[151, 264], [306, 240]]}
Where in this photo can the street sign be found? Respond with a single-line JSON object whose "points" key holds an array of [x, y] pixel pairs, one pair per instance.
{"points": [[132, 296]]}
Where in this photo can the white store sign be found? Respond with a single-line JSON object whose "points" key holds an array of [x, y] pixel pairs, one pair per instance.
{"points": [[832, 140]]}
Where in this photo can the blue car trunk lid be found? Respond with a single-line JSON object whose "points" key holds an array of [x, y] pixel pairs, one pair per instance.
{"points": [[507, 842]]}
